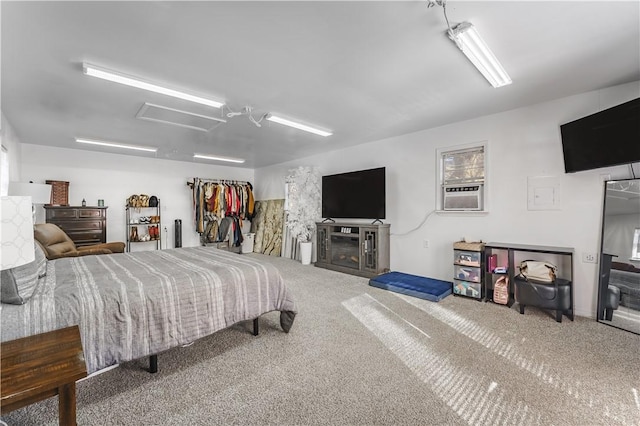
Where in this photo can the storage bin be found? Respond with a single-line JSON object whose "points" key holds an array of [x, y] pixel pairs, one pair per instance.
{"points": [[467, 273], [469, 289], [467, 258]]}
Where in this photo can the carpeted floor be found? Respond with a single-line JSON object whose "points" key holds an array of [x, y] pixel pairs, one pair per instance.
{"points": [[361, 355]]}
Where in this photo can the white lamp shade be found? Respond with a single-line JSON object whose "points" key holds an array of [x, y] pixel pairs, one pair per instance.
{"points": [[16, 232], [40, 193]]}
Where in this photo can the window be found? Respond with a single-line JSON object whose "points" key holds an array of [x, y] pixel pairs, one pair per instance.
{"points": [[4, 172], [635, 251], [464, 166], [462, 178]]}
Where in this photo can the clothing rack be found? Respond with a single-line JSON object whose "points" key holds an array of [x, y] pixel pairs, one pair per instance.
{"points": [[217, 199], [222, 181]]}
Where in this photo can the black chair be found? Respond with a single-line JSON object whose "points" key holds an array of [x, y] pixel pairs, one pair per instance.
{"points": [[554, 296], [611, 302]]}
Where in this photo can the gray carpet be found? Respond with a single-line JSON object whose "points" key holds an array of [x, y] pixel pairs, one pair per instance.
{"points": [[362, 355]]}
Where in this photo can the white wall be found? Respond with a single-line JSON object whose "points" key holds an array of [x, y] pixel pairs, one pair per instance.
{"points": [[11, 142], [113, 178], [522, 143]]}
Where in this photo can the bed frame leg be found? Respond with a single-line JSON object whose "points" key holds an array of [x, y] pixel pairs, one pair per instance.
{"points": [[256, 327], [153, 363]]}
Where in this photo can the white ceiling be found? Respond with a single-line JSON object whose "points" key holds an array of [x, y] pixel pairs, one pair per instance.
{"points": [[365, 70], [623, 197]]}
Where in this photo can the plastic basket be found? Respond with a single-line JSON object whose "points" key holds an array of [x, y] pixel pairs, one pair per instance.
{"points": [[473, 246], [59, 192]]}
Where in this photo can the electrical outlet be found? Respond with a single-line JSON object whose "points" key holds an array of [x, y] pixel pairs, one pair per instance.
{"points": [[425, 244], [589, 257]]}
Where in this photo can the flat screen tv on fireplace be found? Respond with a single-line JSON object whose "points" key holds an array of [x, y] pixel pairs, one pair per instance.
{"points": [[606, 138], [354, 195]]}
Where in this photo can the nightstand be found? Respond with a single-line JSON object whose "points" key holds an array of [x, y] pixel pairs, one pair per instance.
{"points": [[41, 366]]}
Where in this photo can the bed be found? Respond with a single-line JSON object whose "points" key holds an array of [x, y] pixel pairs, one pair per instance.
{"points": [[133, 305]]}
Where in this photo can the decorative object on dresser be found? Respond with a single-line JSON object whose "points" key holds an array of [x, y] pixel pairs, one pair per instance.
{"points": [[84, 225], [59, 192], [468, 265], [57, 244], [363, 251], [143, 220]]}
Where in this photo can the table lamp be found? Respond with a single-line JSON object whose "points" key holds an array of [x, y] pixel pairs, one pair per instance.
{"points": [[40, 193], [16, 232]]}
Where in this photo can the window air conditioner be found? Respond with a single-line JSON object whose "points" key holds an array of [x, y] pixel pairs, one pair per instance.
{"points": [[462, 197]]}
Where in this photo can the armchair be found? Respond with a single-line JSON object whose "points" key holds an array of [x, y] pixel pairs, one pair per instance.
{"points": [[57, 244]]}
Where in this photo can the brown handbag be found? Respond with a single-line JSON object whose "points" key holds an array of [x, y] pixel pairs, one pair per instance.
{"points": [[132, 201], [501, 290]]}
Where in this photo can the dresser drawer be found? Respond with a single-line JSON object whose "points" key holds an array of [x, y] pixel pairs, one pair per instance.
{"points": [[97, 224], [62, 214], [83, 238], [89, 213]]}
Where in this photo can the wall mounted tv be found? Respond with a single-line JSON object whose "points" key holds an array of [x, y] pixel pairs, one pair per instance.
{"points": [[606, 138], [354, 195]]}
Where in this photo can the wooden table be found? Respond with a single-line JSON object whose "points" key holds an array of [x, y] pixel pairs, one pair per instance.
{"points": [[38, 367]]}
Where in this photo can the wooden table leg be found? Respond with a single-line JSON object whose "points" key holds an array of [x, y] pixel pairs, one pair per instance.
{"points": [[67, 404]]}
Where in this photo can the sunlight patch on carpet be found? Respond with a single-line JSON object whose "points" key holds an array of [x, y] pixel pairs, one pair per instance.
{"points": [[509, 350], [465, 392]]}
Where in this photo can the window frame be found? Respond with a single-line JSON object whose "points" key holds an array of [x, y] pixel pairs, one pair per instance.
{"points": [[4, 171], [635, 249], [440, 153]]}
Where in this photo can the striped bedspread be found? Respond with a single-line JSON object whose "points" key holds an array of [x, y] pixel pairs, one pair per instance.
{"points": [[131, 305]]}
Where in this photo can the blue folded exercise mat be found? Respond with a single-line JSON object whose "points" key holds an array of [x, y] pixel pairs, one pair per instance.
{"points": [[413, 285]]}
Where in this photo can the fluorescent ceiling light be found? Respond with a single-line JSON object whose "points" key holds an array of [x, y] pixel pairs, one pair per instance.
{"points": [[117, 77], [469, 41], [117, 145], [216, 158], [299, 126]]}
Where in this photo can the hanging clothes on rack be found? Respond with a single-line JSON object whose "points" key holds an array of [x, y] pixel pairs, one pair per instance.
{"points": [[214, 200], [197, 205], [251, 204]]}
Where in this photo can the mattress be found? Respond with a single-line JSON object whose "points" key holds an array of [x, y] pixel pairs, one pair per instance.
{"points": [[413, 285]]}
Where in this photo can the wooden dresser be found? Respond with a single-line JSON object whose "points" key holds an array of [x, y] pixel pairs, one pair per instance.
{"points": [[84, 225]]}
